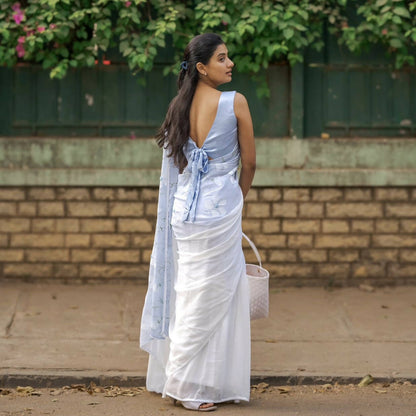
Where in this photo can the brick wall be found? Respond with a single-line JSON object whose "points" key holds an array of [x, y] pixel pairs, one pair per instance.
{"points": [[308, 236]]}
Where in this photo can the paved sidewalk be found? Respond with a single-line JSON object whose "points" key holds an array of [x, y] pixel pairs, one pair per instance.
{"points": [[52, 335]]}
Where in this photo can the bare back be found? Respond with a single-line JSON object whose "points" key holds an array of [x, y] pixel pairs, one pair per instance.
{"points": [[203, 113]]}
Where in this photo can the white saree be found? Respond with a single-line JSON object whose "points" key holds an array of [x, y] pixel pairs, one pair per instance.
{"points": [[196, 323]]}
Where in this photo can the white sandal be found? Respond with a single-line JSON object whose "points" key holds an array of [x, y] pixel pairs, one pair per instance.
{"points": [[196, 406]]}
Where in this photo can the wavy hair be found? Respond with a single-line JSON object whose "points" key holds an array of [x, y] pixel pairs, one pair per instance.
{"points": [[175, 130]]}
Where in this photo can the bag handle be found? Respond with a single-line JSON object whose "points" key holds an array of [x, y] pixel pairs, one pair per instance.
{"points": [[254, 248]]}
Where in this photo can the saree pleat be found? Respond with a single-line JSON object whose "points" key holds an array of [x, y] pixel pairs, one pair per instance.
{"points": [[208, 330]]}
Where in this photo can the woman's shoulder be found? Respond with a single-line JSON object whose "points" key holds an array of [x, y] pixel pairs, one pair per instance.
{"points": [[240, 103], [237, 97]]}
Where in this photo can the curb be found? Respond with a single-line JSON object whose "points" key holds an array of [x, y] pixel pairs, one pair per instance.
{"points": [[54, 380]]}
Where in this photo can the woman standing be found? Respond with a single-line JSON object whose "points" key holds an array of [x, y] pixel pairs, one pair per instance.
{"points": [[195, 321]]}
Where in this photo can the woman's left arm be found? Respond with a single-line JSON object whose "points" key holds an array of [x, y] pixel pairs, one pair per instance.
{"points": [[246, 140]]}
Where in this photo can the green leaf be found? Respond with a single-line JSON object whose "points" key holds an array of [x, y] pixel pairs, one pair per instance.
{"points": [[303, 13], [127, 51], [82, 33], [381, 3], [49, 35], [47, 63], [90, 60], [288, 33], [396, 43], [401, 11], [63, 31], [124, 45], [64, 52]]}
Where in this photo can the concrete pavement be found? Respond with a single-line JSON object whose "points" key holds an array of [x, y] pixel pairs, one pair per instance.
{"points": [[54, 335]]}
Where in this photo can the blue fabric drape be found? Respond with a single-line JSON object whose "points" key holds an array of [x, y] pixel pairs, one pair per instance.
{"points": [[156, 312]]}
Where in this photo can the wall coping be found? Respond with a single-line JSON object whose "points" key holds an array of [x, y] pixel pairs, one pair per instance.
{"points": [[86, 161]]}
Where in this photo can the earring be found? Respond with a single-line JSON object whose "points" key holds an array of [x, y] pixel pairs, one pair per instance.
{"points": [[205, 74]]}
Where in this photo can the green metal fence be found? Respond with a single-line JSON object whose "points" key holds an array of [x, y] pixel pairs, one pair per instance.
{"points": [[332, 91], [355, 96], [108, 101]]}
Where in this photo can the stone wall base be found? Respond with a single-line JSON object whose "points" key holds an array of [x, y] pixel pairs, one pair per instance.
{"points": [[340, 236]]}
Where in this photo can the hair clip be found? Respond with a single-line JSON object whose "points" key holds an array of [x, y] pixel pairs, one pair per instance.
{"points": [[184, 65]]}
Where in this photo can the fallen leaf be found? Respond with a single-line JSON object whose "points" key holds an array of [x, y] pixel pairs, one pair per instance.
{"points": [[4, 392], [301, 369], [93, 403], [384, 306], [91, 387], [283, 390], [380, 391], [27, 391], [367, 288], [365, 381], [327, 386], [79, 387], [270, 341], [261, 387], [114, 391]]}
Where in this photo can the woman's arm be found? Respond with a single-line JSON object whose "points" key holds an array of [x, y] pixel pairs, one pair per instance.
{"points": [[246, 140]]}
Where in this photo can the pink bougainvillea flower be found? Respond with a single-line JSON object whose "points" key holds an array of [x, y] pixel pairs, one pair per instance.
{"points": [[20, 49], [41, 29], [52, 26], [224, 23], [21, 39], [384, 32], [18, 16], [128, 3]]}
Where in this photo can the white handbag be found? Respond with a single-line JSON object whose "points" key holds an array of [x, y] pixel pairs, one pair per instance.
{"points": [[258, 280]]}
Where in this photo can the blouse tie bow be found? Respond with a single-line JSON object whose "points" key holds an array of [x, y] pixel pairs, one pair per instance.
{"points": [[197, 165]]}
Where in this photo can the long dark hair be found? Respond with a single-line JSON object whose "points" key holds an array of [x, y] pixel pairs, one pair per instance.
{"points": [[174, 131]]}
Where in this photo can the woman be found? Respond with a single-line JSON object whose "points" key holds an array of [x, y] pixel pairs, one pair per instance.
{"points": [[195, 321]]}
